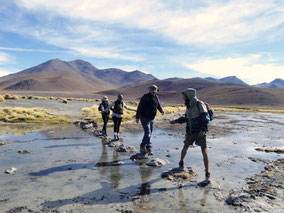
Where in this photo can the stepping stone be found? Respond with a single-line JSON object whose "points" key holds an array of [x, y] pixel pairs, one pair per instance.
{"points": [[157, 162], [139, 156]]}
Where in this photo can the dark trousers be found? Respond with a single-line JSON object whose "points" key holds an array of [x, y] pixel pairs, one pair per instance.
{"points": [[105, 119], [148, 129], [116, 122]]}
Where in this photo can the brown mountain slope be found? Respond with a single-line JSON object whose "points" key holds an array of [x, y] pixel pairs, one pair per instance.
{"points": [[211, 92], [78, 75]]}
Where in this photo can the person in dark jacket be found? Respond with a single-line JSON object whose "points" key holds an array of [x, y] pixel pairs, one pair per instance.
{"points": [[196, 118], [117, 114], [146, 112], [105, 115]]}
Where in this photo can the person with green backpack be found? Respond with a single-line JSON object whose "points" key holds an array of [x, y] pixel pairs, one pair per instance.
{"points": [[196, 117]]}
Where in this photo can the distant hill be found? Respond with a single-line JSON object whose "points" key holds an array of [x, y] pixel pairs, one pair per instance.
{"points": [[78, 75], [212, 92], [227, 80], [276, 84]]}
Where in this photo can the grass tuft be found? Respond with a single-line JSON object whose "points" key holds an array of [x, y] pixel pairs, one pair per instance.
{"points": [[30, 115], [2, 99]]}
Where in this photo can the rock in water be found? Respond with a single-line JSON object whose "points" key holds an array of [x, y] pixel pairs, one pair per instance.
{"points": [[25, 151], [125, 148], [139, 156], [157, 162], [177, 173], [106, 140], [11, 170], [115, 144]]}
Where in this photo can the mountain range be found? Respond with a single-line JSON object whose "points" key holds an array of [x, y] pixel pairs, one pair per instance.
{"points": [[81, 78], [78, 75]]}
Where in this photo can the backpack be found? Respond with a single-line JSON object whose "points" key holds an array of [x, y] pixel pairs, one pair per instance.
{"points": [[118, 107], [209, 110]]}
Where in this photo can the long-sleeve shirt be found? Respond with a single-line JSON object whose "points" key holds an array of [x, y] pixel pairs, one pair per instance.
{"points": [[194, 125], [148, 106], [116, 114]]}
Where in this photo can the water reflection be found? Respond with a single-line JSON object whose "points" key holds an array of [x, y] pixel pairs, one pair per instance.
{"points": [[115, 174]]}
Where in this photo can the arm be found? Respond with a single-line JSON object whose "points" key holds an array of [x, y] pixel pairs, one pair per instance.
{"points": [[108, 108], [159, 106], [140, 107], [203, 122], [180, 120], [126, 107]]}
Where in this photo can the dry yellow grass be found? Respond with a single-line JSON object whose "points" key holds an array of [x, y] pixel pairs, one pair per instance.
{"points": [[92, 113], [2, 99], [30, 115], [20, 129], [14, 97], [171, 109], [247, 109]]}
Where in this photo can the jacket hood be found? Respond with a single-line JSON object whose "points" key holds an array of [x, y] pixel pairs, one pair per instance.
{"points": [[190, 93]]}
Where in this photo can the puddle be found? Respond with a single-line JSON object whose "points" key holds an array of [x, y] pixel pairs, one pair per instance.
{"points": [[69, 170]]}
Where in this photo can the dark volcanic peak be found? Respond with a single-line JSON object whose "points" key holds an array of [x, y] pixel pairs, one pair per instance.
{"points": [[275, 84], [29, 84], [51, 65], [227, 80]]}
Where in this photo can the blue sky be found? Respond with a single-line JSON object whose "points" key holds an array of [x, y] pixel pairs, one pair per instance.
{"points": [[166, 38]]}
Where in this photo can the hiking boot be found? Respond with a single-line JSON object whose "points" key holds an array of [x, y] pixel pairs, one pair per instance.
{"points": [[181, 165], [149, 151], [143, 149], [207, 176]]}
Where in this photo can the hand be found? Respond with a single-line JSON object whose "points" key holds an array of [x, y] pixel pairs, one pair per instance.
{"points": [[172, 122], [163, 113], [201, 133], [137, 120]]}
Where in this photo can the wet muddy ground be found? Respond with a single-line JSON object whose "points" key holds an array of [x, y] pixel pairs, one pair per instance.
{"points": [[69, 170]]}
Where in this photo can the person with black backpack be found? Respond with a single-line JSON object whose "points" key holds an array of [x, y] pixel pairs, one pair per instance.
{"points": [[117, 114], [196, 118], [105, 115]]}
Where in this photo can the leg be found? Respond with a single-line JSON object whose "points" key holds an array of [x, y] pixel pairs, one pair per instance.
{"points": [[114, 126], [105, 119], [118, 126], [183, 152], [205, 158], [187, 142], [147, 132]]}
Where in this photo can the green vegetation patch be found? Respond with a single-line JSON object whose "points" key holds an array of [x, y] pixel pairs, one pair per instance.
{"points": [[30, 115]]}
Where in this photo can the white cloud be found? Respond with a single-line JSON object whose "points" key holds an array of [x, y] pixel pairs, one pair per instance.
{"points": [[30, 50], [4, 57], [4, 72], [214, 23], [253, 68], [104, 53]]}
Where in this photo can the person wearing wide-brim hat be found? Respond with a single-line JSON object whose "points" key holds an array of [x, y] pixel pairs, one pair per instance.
{"points": [[146, 112], [105, 114]]}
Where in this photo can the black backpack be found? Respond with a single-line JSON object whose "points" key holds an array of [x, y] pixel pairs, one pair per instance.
{"points": [[209, 110]]}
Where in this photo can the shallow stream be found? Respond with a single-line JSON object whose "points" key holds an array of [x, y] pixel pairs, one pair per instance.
{"points": [[61, 171]]}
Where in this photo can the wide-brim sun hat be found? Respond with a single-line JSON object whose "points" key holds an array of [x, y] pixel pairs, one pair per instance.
{"points": [[105, 98], [153, 88]]}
